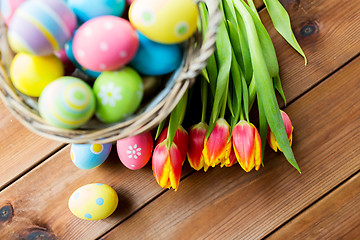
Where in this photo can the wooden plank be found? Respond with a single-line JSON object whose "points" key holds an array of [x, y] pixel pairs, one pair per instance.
{"points": [[39, 199], [20, 148], [228, 204], [334, 217], [328, 33]]}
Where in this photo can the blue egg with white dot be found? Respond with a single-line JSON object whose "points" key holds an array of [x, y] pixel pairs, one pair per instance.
{"points": [[70, 55], [88, 156], [88, 9], [93, 201], [156, 59]]}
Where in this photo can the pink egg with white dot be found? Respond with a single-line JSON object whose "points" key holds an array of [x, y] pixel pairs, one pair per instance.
{"points": [[105, 43], [134, 152]]}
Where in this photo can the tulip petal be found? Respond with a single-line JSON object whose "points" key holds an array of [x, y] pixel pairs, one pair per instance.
{"points": [[180, 139], [217, 145], [289, 131], [167, 165], [197, 135]]}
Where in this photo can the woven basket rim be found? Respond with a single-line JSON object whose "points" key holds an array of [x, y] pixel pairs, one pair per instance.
{"points": [[198, 51]]}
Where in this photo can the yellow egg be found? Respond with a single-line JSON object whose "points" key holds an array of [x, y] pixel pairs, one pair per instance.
{"points": [[30, 74], [94, 201], [164, 21]]}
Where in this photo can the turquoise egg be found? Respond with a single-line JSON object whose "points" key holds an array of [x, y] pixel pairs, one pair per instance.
{"points": [[88, 9], [67, 102], [40, 27], [88, 156], [156, 59]]}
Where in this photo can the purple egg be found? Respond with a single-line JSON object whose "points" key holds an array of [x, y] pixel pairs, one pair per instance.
{"points": [[41, 27]]}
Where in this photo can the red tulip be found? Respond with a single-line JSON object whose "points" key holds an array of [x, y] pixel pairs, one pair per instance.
{"points": [[195, 155], [247, 145], [180, 139], [167, 165], [289, 130], [217, 146]]}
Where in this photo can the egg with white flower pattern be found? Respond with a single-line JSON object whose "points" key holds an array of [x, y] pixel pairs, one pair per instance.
{"points": [[118, 94], [135, 151], [93, 201]]}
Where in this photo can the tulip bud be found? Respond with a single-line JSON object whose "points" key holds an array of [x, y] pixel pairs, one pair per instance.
{"points": [[217, 146], [289, 130], [195, 155], [167, 165], [180, 139], [247, 145]]}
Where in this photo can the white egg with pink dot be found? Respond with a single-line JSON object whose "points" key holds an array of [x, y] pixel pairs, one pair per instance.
{"points": [[105, 43]]}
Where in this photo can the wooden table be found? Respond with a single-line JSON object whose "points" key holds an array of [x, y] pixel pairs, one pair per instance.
{"points": [[37, 176]]}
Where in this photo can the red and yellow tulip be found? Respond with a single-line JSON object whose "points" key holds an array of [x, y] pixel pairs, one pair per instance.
{"points": [[181, 140], [167, 165], [217, 146], [197, 136], [247, 145], [289, 130]]}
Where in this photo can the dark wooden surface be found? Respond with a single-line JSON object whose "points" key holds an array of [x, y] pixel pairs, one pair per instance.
{"points": [[37, 176]]}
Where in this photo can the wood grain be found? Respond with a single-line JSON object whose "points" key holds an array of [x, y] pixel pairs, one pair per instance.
{"points": [[334, 217], [328, 32], [39, 199], [228, 204], [20, 148]]}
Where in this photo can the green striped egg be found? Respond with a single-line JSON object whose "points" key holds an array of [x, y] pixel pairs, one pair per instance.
{"points": [[67, 102]]}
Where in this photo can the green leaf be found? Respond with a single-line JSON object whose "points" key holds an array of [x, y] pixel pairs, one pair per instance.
{"points": [[211, 68], [237, 94], [244, 59], [205, 75], [245, 94], [263, 126], [267, 46], [278, 87], [253, 8], [281, 21], [160, 128], [223, 57], [204, 99], [264, 86], [176, 118]]}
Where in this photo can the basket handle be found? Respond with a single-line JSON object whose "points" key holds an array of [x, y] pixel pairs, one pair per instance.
{"points": [[201, 54]]}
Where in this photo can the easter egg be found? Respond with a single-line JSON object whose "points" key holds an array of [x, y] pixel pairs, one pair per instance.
{"points": [[30, 74], [8, 8], [67, 102], [88, 156], [85, 10], [70, 55], [154, 58], [134, 152], [93, 201], [105, 43], [168, 22], [118, 94], [41, 27]]}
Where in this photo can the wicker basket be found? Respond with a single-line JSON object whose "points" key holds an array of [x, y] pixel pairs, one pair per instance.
{"points": [[197, 51]]}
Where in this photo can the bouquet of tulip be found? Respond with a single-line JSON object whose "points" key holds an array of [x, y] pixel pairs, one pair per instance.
{"points": [[243, 68]]}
